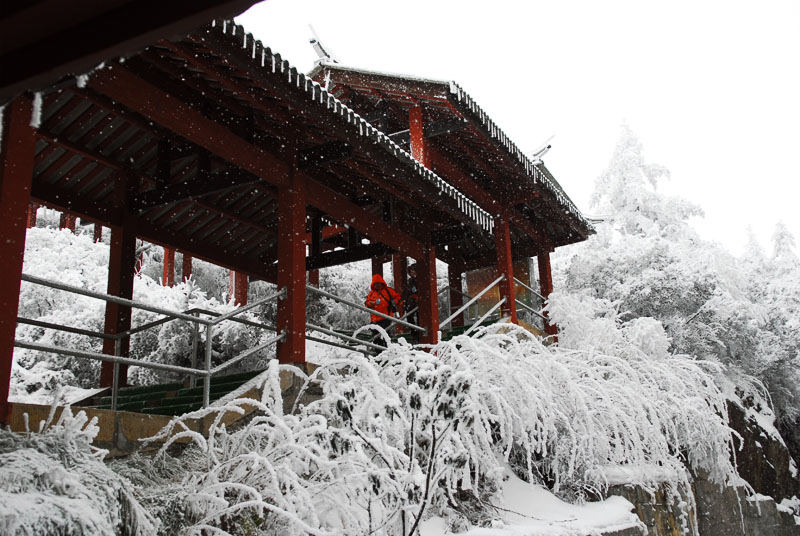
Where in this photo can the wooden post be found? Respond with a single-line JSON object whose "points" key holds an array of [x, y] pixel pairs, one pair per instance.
{"points": [[546, 287], [455, 280], [292, 270], [121, 269], [186, 266], [168, 277], [419, 145], [428, 300], [377, 265], [16, 174], [505, 266], [399, 272], [32, 208], [98, 232], [315, 248], [240, 288], [67, 221]]}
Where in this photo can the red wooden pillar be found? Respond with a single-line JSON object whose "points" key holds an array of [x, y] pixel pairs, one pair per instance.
{"points": [[455, 280], [240, 283], [98, 232], [399, 272], [377, 265], [32, 208], [313, 278], [16, 173], [168, 278], [121, 267], [186, 266], [505, 266], [428, 300], [419, 146], [546, 287], [67, 221], [292, 270]]}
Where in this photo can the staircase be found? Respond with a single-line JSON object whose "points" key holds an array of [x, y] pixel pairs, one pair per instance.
{"points": [[172, 398]]}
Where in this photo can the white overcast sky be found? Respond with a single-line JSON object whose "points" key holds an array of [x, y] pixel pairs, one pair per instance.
{"points": [[712, 88]]}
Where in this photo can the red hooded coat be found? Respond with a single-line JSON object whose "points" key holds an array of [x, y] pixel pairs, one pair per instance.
{"points": [[382, 299]]}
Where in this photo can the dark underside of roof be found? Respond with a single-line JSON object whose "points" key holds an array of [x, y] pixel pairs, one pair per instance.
{"points": [[44, 40], [190, 139]]}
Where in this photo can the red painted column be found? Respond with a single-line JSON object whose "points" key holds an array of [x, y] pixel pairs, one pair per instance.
{"points": [[546, 287], [419, 147], [186, 268], [240, 287], [399, 272], [313, 278], [505, 266], [428, 300], [32, 208], [377, 265], [16, 173], [455, 280], [67, 221], [292, 270], [168, 278], [121, 267], [98, 232]]}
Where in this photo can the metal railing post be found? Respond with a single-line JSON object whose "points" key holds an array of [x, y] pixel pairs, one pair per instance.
{"points": [[115, 378], [207, 381], [195, 343]]}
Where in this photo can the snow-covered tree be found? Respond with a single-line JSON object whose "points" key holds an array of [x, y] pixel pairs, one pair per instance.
{"points": [[649, 262]]}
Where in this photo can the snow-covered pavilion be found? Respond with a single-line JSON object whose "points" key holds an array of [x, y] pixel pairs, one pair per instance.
{"points": [[214, 145]]}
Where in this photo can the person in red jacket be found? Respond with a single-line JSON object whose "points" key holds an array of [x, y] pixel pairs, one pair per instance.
{"points": [[383, 299]]}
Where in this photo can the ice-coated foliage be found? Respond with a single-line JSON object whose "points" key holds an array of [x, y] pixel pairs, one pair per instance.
{"points": [[648, 262], [53, 481], [418, 430]]}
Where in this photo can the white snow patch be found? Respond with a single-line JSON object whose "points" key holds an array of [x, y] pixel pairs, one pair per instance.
{"points": [[36, 115], [531, 510]]}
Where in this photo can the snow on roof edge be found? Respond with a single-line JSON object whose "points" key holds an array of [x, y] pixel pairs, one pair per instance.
{"points": [[274, 63]]}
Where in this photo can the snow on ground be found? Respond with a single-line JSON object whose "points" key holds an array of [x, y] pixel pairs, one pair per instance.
{"points": [[66, 395], [531, 510]]}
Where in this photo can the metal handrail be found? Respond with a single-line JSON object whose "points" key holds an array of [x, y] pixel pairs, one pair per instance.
{"points": [[529, 308], [523, 285], [485, 316], [246, 353], [470, 302], [239, 310], [334, 297], [109, 298], [68, 329], [343, 336], [192, 316], [107, 357]]}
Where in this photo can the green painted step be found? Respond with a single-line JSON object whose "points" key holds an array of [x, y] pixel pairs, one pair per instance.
{"points": [[174, 398], [173, 410]]}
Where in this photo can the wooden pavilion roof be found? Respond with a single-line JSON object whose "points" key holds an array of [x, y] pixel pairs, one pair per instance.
{"points": [[189, 140], [468, 150]]}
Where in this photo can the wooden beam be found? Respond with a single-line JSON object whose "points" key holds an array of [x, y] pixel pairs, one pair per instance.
{"points": [[322, 155], [125, 87], [346, 256], [341, 209], [215, 183]]}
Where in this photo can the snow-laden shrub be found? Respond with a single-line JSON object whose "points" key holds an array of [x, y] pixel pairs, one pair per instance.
{"points": [[75, 259], [53, 481], [411, 432]]}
